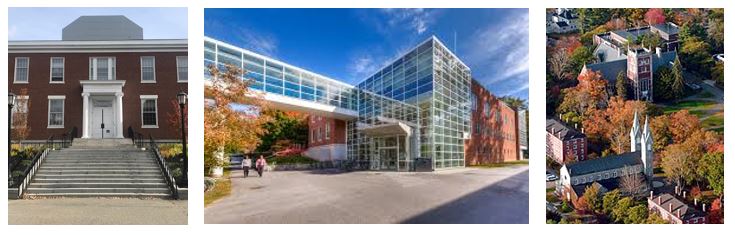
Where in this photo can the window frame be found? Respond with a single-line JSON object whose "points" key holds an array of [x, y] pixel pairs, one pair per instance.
{"points": [[14, 111], [51, 70], [111, 68], [153, 67], [63, 111], [143, 99], [28, 70], [178, 78]]}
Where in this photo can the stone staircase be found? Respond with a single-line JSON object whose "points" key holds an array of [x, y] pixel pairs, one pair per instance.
{"points": [[99, 168]]}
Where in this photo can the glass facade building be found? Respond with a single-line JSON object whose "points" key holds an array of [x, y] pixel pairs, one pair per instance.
{"points": [[412, 114]]}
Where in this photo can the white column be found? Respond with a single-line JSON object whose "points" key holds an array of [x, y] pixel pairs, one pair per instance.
{"points": [[85, 115], [119, 96]]}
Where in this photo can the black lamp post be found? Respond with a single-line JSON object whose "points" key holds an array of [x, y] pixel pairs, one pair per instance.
{"points": [[11, 104], [182, 103]]}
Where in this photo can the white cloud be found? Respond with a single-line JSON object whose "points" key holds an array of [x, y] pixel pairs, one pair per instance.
{"points": [[413, 19], [503, 46], [260, 42]]}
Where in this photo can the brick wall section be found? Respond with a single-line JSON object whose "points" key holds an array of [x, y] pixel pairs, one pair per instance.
{"points": [[76, 68], [318, 124], [497, 139]]}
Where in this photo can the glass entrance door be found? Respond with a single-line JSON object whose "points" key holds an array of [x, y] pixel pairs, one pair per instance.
{"points": [[388, 155]]}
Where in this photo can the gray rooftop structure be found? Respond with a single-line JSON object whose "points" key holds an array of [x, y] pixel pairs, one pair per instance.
{"points": [[604, 163], [610, 69], [687, 212], [102, 28], [561, 130]]}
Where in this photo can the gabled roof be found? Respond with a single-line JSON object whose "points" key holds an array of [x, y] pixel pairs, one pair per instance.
{"points": [[687, 212], [604, 163], [566, 132], [610, 69]]}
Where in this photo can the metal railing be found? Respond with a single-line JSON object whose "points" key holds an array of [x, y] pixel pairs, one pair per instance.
{"points": [[162, 163], [151, 145], [35, 164]]}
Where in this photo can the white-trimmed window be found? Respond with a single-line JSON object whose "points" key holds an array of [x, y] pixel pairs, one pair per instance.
{"points": [[149, 111], [57, 70], [102, 68], [20, 111], [56, 111], [147, 69], [21, 70], [319, 134], [182, 68], [326, 131]]}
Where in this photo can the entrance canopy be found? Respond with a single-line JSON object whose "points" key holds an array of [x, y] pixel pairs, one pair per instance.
{"points": [[397, 128], [98, 96]]}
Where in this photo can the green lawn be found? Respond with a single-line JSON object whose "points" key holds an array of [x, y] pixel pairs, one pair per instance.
{"points": [[503, 164], [716, 120], [221, 189]]}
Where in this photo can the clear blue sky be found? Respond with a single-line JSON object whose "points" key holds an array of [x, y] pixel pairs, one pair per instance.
{"points": [[351, 44], [33, 23]]}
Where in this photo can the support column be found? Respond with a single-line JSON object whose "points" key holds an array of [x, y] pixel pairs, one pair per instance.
{"points": [[119, 102], [85, 115]]}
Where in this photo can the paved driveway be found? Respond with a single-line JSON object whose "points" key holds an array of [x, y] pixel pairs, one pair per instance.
{"points": [[97, 211], [498, 195]]}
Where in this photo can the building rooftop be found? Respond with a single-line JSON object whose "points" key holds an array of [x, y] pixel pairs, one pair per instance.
{"points": [[102, 28], [667, 28], [561, 130], [604, 163], [687, 212], [610, 69]]}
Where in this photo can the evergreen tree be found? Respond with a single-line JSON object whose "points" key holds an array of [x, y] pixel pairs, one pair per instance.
{"points": [[677, 83], [620, 86]]}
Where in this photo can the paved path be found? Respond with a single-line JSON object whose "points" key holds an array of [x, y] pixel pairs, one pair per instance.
{"points": [[97, 211], [498, 195]]}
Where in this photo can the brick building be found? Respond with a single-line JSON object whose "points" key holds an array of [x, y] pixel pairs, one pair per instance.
{"points": [[675, 211], [494, 129], [102, 78], [564, 143]]}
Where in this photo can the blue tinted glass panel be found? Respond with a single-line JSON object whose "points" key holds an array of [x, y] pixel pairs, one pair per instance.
{"points": [[256, 86], [291, 93], [273, 89], [307, 90], [273, 81], [292, 86], [307, 96]]}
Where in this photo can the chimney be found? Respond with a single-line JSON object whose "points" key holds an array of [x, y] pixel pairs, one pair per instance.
{"points": [[582, 130], [695, 201], [676, 190], [658, 52], [659, 200], [704, 207], [575, 126], [560, 117], [678, 213], [685, 194], [651, 197], [553, 131], [671, 209]]}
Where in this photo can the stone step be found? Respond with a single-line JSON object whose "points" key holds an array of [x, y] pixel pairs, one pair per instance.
{"points": [[91, 195], [99, 163], [99, 185], [156, 175], [99, 180], [93, 171], [102, 168], [132, 165], [34, 190]]}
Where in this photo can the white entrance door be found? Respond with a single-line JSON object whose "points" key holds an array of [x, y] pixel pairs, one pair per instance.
{"points": [[103, 123]]}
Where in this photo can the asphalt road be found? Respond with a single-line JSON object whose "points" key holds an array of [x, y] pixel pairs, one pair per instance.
{"points": [[83, 211], [498, 195]]}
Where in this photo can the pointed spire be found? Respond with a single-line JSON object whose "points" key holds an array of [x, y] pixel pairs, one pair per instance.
{"points": [[646, 130]]}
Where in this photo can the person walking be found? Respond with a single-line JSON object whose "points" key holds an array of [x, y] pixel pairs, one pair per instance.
{"points": [[246, 164], [260, 165]]}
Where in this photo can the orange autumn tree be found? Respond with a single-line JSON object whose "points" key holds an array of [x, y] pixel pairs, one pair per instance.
{"points": [[589, 94], [232, 117], [21, 128], [613, 123]]}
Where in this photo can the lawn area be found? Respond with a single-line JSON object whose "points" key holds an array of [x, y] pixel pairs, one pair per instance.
{"points": [[221, 189], [716, 120], [503, 164], [695, 107]]}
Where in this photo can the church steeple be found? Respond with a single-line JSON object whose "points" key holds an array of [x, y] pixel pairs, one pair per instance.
{"points": [[646, 144], [635, 133]]}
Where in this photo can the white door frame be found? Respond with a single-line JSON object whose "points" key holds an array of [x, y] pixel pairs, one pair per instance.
{"points": [[102, 88]]}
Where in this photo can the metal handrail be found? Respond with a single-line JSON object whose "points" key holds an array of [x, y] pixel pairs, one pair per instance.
{"points": [[36, 163], [162, 163]]}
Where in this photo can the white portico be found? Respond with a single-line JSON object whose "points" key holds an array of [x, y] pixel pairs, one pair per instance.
{"points": [[102, 109]]}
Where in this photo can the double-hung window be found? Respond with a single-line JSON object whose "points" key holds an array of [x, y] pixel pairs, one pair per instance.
{"points": [[102, 68], [56, 111], [149, 111], [326, 131], [20, 112], [21, 70], [147, 69], [57, 69], [182, 69]]}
